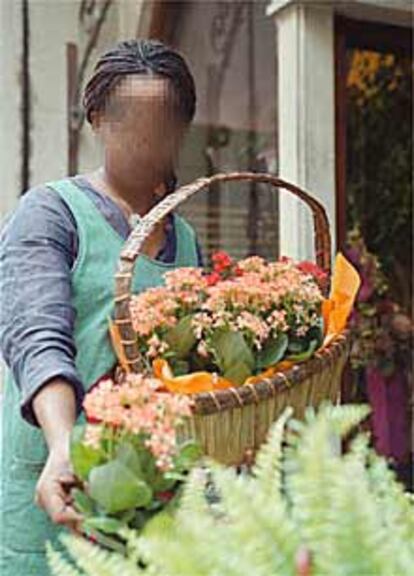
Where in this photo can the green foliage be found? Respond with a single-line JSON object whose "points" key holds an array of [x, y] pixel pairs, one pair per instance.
{"points": [[273, 352], [346, 510], [90, 560], [121, 485], [181, 337], [307, 353], [83, 457], [233, 356], [379, 161], [116, 488]]}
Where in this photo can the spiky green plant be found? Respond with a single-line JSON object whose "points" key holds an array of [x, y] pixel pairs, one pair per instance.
{"points": [[346, 511]]}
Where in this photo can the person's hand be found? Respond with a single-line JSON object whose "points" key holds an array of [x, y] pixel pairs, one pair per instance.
{"points": [[52, 492]]}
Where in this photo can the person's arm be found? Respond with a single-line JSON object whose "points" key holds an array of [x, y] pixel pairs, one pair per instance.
{"points": [[36, 312], [55, 403], [36, 334]]}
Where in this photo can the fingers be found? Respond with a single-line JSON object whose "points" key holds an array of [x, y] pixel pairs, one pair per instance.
{"points": [[59, 510], [69, 481], [67, 515], [57, 503], [53, 493]]}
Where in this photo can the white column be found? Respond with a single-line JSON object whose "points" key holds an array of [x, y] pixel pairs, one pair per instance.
{"points": [[306, 118]]}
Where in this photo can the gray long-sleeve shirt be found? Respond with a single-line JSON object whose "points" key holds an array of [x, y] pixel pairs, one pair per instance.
{"points": [[38, 247]]}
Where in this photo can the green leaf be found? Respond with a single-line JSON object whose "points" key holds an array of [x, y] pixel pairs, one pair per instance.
{"points": [[104, 524], [126, 517], [162, 482], [127, 454], [273, 352], [313, 345], [175, 476], [200, 363], [189, 453], [149, 473], [297, 345], [116, 488], [181, 337], [147, 463], [316, 333], [231, 349], [83, 503], [180, 367], [238, 373], [84, 458]]}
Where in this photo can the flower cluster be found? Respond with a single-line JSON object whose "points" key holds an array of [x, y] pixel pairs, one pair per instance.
{"points": [[136, 406], [252, 297], [155, 308], [130, 457]]}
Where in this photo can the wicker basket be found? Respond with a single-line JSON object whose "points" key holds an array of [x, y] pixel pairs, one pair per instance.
{"points": [[234, 422]]}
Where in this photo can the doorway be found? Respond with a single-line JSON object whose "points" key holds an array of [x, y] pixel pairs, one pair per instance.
{"points": [[374, 89], [374, 151]]}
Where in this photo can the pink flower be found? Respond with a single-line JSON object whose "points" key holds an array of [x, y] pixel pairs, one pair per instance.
{"points": [[93, 434], [151, 309], [184, 280], [136, 406]]}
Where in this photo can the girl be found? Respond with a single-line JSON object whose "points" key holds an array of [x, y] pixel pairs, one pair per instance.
{"points": [[59, 252]]}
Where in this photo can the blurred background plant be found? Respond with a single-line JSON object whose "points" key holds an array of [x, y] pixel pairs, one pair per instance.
{"points": [[379, 162], [382, 331], [381, 357]]}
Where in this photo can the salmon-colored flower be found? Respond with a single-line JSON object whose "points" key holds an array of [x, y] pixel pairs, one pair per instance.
{"points": [[138, 407]]}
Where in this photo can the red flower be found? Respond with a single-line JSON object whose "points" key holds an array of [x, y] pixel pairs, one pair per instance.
{"points": [[284, 260], [221, 261], [213, 278], [165, 496], [310, 268], [92, 420]]}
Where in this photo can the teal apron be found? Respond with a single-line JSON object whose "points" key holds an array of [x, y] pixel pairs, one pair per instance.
{"points": [[24, 527]]}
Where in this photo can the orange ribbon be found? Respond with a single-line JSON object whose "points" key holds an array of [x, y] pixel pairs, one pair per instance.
{"points": [[270, 372], [190, 383], [344, 289]]}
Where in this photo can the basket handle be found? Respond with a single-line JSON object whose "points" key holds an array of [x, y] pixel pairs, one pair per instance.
{"points": [[135, 241]]}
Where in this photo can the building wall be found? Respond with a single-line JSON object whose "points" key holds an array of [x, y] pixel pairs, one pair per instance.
{"points": [[53, 23], [10, 134]]}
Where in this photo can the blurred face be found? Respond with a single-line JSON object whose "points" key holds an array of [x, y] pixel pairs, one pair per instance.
{"points": [[140, 129]]}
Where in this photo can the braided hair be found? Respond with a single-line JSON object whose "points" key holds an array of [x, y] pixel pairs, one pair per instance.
{"points": [[146, 57]]}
